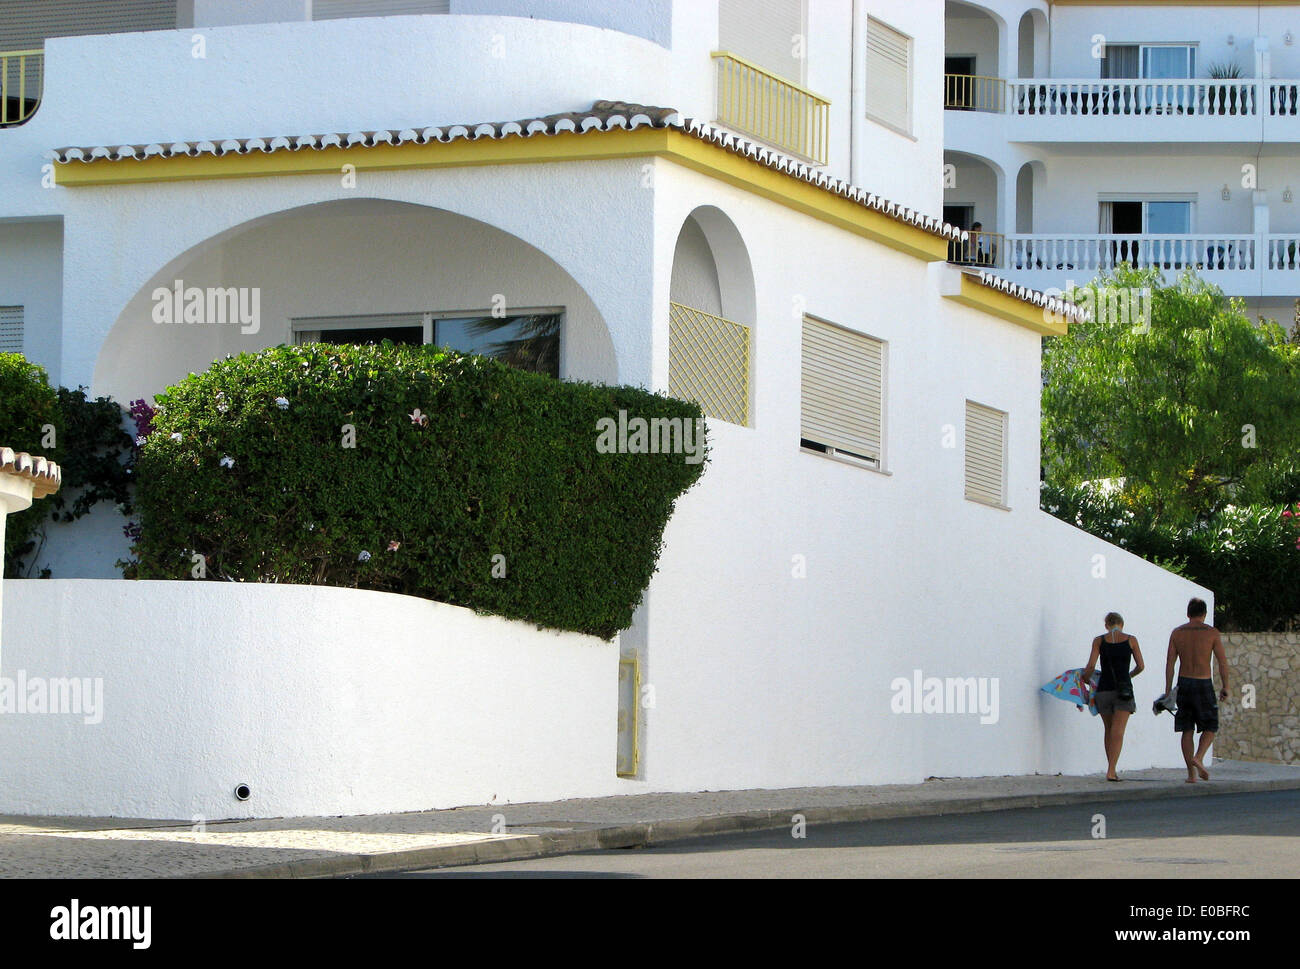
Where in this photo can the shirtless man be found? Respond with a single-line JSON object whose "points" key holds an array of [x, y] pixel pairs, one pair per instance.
{"points": [[1191, 645]]}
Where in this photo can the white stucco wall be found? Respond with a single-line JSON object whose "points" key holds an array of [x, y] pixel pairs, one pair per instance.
{"points": [[323, 701], [31, 276]]}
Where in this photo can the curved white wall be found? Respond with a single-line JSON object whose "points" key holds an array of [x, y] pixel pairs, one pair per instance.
{"points": [[323, 700]]}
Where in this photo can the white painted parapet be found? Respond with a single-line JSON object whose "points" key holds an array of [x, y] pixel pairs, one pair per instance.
{"points": [[162, 698]]}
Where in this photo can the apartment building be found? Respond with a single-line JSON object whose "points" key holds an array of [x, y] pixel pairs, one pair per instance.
{"points": [[729, 200], [1083, 133]]}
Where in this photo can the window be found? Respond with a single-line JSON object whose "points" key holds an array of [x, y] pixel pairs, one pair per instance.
{"points": [[1155, 61], [338, 9], [530, 341], [767, 32], [11, 329], [986, 455], [889, 76], [842, 392]]}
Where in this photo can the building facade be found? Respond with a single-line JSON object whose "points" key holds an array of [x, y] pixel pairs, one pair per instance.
{"points": [[734, 207], [1084, 134]]}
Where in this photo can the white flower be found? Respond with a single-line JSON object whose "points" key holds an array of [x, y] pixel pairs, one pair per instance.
{"points": [[364, 556], [282, 403], [176, 435], [227, 462], [223, 407], [139, 441]]}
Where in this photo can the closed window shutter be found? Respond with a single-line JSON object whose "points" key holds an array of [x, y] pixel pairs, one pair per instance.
{"points": [[986, 430], [763, 31], [338, 9], [889, 75], [11, 329], [25, 25], [842, 389]]}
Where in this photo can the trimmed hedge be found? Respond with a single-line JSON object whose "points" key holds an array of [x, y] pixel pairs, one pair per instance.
{"points": [[1247, 555], [457, 461], [27, 404]]}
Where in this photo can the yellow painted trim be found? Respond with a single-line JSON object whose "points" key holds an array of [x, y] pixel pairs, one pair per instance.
{"points": [[668, 143], [1010, 308]]}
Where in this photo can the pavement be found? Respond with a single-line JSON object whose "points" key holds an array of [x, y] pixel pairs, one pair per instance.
{"points": [[46, 847]]}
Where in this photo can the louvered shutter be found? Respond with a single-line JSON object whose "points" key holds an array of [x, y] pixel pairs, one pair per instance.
{"points": [[842, 389], [11, 329], [763, 31], [25, 24], [338, 9], [985, 454], [889, 75]]}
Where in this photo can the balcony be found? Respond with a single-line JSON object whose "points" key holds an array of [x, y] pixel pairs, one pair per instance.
{"points": [[1243, 264], [1137, 109], [21, 76], [771, 109]]}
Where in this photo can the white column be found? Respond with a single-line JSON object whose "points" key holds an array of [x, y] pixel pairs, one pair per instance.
{"points": [[15, 496]]}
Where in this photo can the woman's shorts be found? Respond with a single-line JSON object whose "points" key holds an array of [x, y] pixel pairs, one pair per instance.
{"points": [[1108, 702]]}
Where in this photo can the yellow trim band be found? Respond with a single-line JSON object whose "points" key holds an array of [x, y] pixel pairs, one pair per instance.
{"points": [[1010, 308], [668, 143]]}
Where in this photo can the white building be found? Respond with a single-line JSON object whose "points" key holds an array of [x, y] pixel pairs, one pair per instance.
{"points": [[1082, 133], [870, 513]]}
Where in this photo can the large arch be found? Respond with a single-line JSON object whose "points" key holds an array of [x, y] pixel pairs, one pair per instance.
{"points": [[361, 256]]}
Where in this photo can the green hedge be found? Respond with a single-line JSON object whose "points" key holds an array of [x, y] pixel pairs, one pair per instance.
{"points": [[1247, 556], [28, 404], [247, 467]]}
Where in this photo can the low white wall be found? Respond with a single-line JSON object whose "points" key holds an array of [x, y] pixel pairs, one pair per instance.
{"points": [[324, 701]]}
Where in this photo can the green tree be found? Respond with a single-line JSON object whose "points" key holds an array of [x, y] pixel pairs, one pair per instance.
{"points": [[1188, 405]]}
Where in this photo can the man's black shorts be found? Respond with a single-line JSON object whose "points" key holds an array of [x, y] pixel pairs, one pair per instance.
{"points": [[1197, 706]]}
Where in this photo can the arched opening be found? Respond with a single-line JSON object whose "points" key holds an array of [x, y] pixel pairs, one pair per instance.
{"points": [[974, 189], [347, 270], [711, 317], [974, 57], [1032, 41]]}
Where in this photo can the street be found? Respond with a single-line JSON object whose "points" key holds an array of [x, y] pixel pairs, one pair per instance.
{"points": [[1225, 836]]}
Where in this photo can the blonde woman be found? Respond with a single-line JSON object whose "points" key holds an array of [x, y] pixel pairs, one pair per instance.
{"points": [[1115, 702]]}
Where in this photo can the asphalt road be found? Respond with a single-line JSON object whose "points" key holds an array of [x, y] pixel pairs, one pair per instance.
{"points": [[1225, 836]]}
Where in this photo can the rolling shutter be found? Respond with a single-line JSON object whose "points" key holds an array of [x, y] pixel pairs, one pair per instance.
{"points": [[11, 329], [889, 75], [338, 9], [985, 454], [24, 25], [842, 389], [763, 31]]}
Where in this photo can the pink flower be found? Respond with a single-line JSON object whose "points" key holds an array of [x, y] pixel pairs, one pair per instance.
{"points": [[394, 546], [1286, 514]]}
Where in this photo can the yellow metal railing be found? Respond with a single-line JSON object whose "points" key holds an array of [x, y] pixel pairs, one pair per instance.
{"points": [[979, 249], [971, 92], [21, 74], [771, 108], [708, 362]]}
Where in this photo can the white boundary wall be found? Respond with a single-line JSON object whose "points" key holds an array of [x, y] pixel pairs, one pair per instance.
{"points": [[323, 700]]}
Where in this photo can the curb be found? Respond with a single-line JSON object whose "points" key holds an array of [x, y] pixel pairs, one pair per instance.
{"points": [[647, 833]]}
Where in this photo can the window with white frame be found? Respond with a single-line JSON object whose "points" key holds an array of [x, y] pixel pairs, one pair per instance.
{"points": [[11, 329], [986, 454], [842, 392], [889, 76], [1153, 61], [527, 339]]}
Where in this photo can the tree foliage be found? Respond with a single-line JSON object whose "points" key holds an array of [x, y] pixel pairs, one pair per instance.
{"points": [[1187, 410]]}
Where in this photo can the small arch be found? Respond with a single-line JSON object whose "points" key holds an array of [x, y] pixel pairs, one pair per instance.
{"points": [[711, 265]]}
